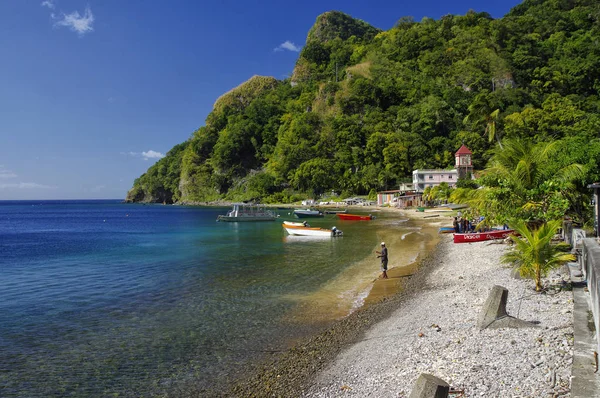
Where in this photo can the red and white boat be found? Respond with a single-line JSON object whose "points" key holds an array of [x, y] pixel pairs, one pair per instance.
{"points": [[483, 236], [355, 217]]}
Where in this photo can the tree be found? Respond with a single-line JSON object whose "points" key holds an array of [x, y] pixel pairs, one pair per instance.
{"points": [[534, 252], [524, 181]]}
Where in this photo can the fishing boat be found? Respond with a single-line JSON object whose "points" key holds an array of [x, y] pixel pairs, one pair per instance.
{"points": [[336, 211], [296, 224], [311, 231], [446, 230], [242, 212], [483, 236], [355, 217], [305, 213]]}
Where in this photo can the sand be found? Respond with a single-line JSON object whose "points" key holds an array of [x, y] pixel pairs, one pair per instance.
{"points": [[431, 327]]}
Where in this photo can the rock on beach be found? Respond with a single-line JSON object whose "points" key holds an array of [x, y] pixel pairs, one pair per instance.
{"points": [[435, 331]]}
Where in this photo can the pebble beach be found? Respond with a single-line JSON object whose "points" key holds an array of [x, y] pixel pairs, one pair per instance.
{"points": [[435, 331], [430, 326]]}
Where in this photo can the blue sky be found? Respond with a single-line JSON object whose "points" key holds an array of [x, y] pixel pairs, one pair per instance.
{"points": [[92, 93]]}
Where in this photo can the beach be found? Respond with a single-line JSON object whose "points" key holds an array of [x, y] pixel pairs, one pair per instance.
{"points": [[430, 326]]}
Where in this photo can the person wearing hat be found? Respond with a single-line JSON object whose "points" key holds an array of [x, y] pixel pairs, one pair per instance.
{"points": [[383, 254]]}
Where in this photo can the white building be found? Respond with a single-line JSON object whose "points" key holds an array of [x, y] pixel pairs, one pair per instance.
{"points": [[431, 178]]}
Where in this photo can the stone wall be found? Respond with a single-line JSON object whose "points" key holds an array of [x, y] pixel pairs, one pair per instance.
{"points": [[590, 265]]}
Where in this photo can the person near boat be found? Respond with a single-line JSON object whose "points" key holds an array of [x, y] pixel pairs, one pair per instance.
{"points": [[383, 254]]}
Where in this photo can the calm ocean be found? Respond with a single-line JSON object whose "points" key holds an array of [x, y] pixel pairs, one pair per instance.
{"points": [[100, 298]]}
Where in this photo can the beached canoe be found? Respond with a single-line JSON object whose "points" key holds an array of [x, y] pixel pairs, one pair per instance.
{"points": [[483, 236], [446, 230], [310, 231], [355, 217]]}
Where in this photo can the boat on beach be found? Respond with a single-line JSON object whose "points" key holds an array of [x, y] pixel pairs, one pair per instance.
{"points": [[356, 217], [242, 212], [311, 231], [306, 213], [446, 230], [483, 236]]}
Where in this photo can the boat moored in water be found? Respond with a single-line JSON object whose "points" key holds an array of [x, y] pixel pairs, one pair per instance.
{"points": [[305, 213], [242, 212], [296, 224], [355, 217], [483, 236], [310, 231]]}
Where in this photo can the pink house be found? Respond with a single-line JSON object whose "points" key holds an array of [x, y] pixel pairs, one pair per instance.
{"points": [[431, 178]]}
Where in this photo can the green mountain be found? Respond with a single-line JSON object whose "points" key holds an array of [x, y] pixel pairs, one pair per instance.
{"points": [[365, 107]]}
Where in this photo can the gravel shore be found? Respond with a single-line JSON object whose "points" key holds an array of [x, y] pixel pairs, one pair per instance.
{"points": [[433, 329]]}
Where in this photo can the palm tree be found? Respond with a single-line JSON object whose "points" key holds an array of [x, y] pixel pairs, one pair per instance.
{"points": [[534, 252], [524, 181], [482, 113]]}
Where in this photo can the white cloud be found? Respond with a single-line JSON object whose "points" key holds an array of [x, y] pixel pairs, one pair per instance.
{"points": [[25, 185], [49, 4], [146, 155], [152, 155], [5, 174], [81, 24], [288, 45]]}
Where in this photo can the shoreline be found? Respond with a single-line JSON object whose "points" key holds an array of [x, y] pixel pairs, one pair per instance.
{"points": [[291, 373], [435, 331], [377, 350]]}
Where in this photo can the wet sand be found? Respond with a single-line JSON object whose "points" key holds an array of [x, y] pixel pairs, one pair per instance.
{"points": [[290, 374]]}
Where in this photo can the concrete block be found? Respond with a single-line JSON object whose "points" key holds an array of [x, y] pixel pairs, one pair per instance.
{"points": [[429, 386], [494, 315]]}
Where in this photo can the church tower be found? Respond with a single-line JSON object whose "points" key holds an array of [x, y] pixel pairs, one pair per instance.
{"points": [[464, 164]]}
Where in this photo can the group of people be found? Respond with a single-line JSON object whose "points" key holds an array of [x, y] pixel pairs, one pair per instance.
{"points": [[463, 225]]}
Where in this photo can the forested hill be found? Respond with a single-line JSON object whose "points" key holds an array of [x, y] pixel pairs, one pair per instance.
{"points": [[365, 107]]}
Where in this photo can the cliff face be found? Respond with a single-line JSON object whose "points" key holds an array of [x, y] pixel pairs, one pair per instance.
{"points": [[364, 108], [324, 37]]}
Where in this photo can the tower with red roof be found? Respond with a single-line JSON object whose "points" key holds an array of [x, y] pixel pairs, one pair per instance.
{"points": [[464, 164]]}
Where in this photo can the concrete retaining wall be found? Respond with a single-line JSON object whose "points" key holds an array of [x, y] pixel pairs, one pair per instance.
{"points": [[590, 265]]}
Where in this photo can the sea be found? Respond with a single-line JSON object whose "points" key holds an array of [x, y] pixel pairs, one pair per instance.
{"points": [[102, 298]]}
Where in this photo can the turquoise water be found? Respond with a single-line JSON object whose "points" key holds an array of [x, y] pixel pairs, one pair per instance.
{"points": [[102, 298]]}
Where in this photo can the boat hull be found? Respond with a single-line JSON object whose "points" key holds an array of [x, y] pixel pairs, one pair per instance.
{"points": [[446, 230], [309, 231], [307, 213], [244, 218], [355, 217], [482, 236]]}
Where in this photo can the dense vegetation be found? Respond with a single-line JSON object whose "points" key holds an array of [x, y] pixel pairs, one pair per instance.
{"points": [[365, 107]]}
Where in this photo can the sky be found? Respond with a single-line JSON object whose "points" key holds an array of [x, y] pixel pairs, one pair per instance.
{"points": [[94, 92]]}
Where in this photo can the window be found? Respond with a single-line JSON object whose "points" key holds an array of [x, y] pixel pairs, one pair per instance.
{"points": [[430, 177], [450, 177]]}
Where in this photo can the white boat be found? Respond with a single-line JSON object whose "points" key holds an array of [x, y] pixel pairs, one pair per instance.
{"points": [[242, 212], [311, 231], [296, 224], [304, 213]]}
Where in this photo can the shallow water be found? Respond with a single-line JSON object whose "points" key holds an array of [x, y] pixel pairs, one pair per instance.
{"points": [[100, 298]]}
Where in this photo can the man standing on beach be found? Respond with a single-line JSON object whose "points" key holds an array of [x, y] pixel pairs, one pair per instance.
{"points": [[383, 254]]}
